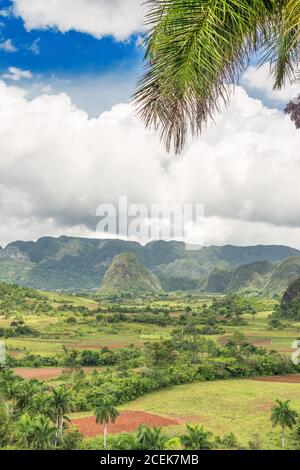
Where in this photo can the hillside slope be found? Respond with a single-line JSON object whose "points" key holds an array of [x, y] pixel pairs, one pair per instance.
{"points": [[126, 275], [290, 303], [285, 273]]}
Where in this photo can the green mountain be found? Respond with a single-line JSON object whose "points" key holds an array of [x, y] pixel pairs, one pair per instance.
{"points": [[260, 277], [181, 274], [218, 280], [126, 275], [285, 273], [251, 277], [79, 264], [290, 303]]}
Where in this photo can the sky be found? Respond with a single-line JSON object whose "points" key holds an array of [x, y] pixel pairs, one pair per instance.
{"points": [[70, 138]]}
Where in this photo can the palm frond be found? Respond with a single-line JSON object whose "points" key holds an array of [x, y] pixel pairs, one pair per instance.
{"points": [[282, 48], [195, 50]]}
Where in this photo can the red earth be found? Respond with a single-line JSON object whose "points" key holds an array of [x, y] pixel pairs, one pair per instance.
{"points": [[263, 342], [43, 373], [289, 379], [127, 421]]}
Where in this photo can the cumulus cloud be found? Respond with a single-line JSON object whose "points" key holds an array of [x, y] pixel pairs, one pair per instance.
{"points": [[118, 18], [8, 46], [259, 80], [57, 165], [15, 74]]}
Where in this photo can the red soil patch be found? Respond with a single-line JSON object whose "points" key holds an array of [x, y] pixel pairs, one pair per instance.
{"points": [[256, 342], [127, 421], [289, 379], [44, 373]]}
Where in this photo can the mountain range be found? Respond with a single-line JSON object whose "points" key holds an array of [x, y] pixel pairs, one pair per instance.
{"points": [[80, 264]]}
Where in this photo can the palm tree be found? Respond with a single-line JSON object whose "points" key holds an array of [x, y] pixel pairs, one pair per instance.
{"points": [[61, 403], [24, 430], [126, 441], [195, 49], [43, 433], [7, 383], [150, 438], [145, 439], [282, 415], [196, 438], [105, 412], [41, 404], [24, 391]]}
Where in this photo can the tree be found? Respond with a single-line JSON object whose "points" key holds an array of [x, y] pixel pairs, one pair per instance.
{"points": [[150, 438], [196, 48], [196, 438], [5, 425], [61, 404], [24, 392], [282, 415], [105, 412], [145, 438], [43, 433], [24, 430], [41, 404]]}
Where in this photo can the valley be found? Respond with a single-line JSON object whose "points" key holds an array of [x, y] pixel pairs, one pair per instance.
{"points": [[166, 359]]}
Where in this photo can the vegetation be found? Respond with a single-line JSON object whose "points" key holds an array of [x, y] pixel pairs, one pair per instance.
{"points": [[105, 412], [79, 264], [290, 304], [136, 348], [197, 438], [283, 416], [126, 275], [196, 49]]}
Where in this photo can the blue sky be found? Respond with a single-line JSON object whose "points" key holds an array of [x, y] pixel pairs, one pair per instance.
{"points": [[97, 68], [71, 61], [64, 53]]}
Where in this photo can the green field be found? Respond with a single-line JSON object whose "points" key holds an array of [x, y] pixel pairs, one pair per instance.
{"points": [[238, 406]]}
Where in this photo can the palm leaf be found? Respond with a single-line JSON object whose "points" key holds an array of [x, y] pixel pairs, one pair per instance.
{"points": [[195, 50]]}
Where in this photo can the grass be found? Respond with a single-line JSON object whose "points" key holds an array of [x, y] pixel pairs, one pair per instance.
{"points": [[54, 332], [238, 406]]}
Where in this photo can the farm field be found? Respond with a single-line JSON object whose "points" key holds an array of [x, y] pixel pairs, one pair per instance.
{"points": [[239, 406], [54, 332], [166, 361]]}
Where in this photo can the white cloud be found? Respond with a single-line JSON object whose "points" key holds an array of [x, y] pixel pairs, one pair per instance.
{"points": [[16, 74], [57, 166], [260, 80], [94, 93], [35, 46], [119, 18], [5, 12], [8, 46]]}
